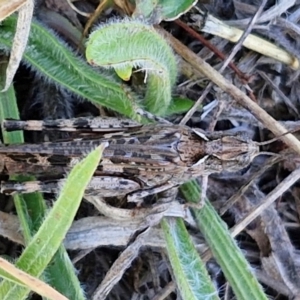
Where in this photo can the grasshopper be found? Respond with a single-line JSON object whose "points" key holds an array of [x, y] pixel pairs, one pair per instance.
{"points": [[140, 160]]}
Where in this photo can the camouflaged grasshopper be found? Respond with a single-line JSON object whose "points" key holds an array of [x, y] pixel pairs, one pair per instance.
{"points": [[139, 160]]}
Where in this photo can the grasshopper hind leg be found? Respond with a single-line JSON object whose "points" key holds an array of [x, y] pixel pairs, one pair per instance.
{"points": [[81, 124], [13, 187], [105, 186], [137, 196]]}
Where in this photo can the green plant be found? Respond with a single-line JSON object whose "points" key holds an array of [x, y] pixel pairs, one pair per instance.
{"points": [[142, 47]]}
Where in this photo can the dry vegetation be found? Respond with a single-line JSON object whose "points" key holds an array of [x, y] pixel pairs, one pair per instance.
{"points": [[271, 241]]}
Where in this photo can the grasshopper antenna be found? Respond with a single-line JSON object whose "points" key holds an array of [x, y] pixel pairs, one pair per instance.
{"points": [[272, 141], [276, 138]]}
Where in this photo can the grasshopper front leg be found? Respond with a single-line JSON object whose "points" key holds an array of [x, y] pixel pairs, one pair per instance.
{"points": [[138, 195], [104, 186]]}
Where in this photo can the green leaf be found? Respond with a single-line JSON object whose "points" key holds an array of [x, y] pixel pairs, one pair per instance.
{"points": [[162, 10], [124, 72], [224, 249], [193, 282], [180, 105], [172, 10], [124, 44]]}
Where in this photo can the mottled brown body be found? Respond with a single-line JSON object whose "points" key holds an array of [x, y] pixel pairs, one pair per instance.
{"points": [[148, 157]]}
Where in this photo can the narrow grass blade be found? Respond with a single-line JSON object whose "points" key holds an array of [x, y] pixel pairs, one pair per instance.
{"points": [[50, 235], [191, 276], [8, 106], [225, 250]]}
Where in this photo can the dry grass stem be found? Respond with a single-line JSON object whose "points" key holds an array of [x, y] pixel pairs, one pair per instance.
{"points": [[8, 7], [269, 199], [20, 41]]}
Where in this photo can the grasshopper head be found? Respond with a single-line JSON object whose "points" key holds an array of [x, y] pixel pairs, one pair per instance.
{"points": [[233, 152]]}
